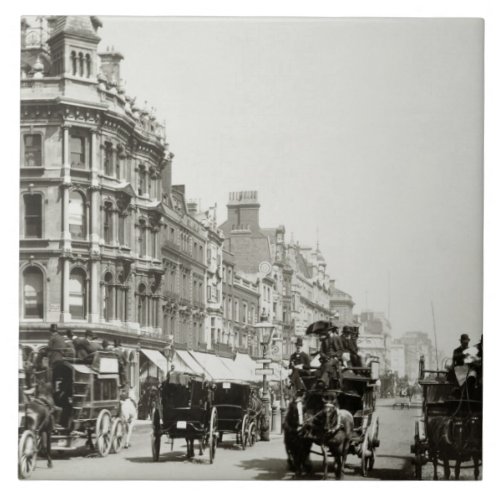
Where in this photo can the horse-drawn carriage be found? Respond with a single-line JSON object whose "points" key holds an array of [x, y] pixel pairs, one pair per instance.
{"points": [[186, 411], [28, 437], [450, 428], [339, 418], [237, 411]]}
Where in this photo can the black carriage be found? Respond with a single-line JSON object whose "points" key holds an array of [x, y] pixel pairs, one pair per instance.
{"points": [[357, 395], [88, 401], [237, 412], [450, 426], [186, 411], [314, 415]]}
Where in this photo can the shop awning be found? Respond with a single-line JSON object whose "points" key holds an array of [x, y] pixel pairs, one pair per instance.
{"points": [[185, 363], [247, 365], [212, 366], [156, 358], [239, 370]]}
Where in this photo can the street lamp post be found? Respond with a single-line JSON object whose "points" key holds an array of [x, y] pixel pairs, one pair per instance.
{"points": [[265, 331]]}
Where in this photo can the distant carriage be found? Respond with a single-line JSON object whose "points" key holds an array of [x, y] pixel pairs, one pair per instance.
{"points": [[450, 428], [186, 410], [237, 413]]}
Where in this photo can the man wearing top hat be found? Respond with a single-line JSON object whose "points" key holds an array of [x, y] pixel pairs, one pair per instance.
{"points": [[458, 353], [300, 364]]}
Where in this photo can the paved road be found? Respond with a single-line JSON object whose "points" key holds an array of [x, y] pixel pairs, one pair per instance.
{"points": [[265, 460]]}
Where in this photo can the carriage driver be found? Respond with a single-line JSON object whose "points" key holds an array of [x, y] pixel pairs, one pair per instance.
{"points": [[300, 364]]}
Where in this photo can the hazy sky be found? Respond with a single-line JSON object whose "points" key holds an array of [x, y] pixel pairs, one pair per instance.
{"points": [[368, 131]]}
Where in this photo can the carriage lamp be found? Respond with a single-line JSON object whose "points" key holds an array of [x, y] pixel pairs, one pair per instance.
{"points": [[265, 331]]}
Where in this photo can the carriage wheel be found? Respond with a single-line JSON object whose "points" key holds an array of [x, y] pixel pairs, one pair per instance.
{"points": [[103, 432], [117, 435], [243, 432], [365, 456], [212, 436], [251, 436], [27, 454], [155, 446]]}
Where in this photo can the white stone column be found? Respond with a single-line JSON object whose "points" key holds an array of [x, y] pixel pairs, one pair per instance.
{"points": [[65, 315], [95, 313]]}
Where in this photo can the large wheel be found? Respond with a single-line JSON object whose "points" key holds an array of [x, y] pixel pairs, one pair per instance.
{"points": [[155, 446], [27, 454], [243, 432], [212, 436], [103, 433], [118, 433], [365, 456]]}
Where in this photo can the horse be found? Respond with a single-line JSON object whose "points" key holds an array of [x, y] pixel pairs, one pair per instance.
{"points": [[455, 438], [297, 446], [128, 413], [39, 419], [340, 424]]}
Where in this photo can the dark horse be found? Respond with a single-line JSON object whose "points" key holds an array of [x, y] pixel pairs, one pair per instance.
{"points": [[39, 419], [455, 438], [297, 446], [324, 425]]}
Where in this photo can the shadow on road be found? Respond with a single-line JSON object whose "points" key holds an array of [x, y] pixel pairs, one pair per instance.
{"points": [[172, 456], [270, 468]]}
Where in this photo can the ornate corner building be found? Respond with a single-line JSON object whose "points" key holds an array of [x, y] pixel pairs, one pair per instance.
{"points": [[106, 243]]}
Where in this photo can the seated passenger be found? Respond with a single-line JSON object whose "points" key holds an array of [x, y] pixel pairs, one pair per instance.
{"points": [[300, 364], [330, 358]]}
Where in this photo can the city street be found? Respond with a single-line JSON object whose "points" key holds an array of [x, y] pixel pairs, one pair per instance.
{"points": [[265, 460]]}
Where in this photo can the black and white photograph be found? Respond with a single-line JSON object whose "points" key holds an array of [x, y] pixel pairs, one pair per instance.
{"points": [[250, 248]]}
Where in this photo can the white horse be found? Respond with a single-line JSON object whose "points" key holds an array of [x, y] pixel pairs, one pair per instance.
{"points": [[128, 413]]}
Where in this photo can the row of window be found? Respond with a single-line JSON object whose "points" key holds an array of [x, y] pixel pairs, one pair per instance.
{"points": [[114, 162], [81, 64], [233, 311]]}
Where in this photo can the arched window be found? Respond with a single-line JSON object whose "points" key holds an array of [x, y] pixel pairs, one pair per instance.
{"points": [[108, 223], [33, 293], [73, 62], [33, 215], [108, 297], [80, 60], [153, 238], [77, 294], [77, 216], [88, 65]]}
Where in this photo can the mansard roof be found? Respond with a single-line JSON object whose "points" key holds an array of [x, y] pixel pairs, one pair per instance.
{"points": [[84, 26]]}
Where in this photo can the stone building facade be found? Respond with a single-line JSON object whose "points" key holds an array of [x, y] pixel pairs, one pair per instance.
{"points": [[341, 304], [106, 243]]}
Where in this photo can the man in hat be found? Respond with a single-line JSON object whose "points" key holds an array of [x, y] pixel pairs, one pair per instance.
{"points": [[458, 353], [330, 356], [56, 347], [300, 363]]}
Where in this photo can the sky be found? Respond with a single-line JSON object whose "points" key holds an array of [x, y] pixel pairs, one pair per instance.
{"points": [[368, 133]]}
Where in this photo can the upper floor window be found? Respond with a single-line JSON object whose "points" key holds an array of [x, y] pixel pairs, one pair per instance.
{"points": [[73, 62], [108, 159], [77, 215], [33, 293], [121, 229], [142, 181], [32, 150], [142, 238], [77, 294], [78, 150], [108, 223], [33, 215]]}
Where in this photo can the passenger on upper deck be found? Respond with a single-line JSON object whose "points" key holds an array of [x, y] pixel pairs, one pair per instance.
{"points": [[458, 353], [300, 364], [57, 345]]}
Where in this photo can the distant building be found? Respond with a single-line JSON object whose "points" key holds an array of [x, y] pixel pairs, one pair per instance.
{"points": [[416, 344], [375, 337], [398, 359], [341, 303]]}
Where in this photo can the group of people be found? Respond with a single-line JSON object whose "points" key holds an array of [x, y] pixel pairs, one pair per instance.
{"points": [[337, 351], [467, 365]]}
